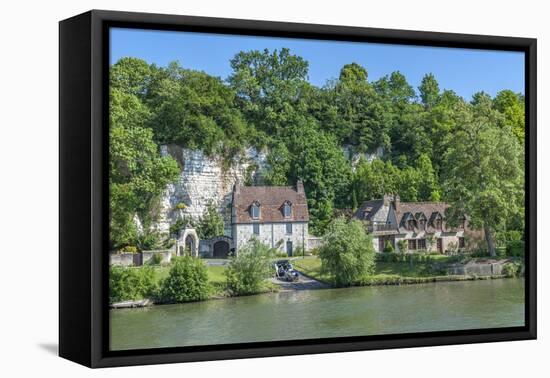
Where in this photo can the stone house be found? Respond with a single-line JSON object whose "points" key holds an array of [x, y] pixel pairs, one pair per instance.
{"points": [[276, 215], [421, 224]]}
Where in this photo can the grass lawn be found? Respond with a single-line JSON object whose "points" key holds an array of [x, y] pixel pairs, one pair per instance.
{"points": [[311, 266], [215, 273]]}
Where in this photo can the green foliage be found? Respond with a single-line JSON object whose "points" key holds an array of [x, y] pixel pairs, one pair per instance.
{"points": [[198, 111], [130, 249], [483, 171], [211, 223], [137, 173], [187, 281], [388, 248], [156, 259], [131, 283], [429, 91], [511, 269], [402, 245], [515, 248], [347, 252], [512, 106], [247, 272], [434, 145]]}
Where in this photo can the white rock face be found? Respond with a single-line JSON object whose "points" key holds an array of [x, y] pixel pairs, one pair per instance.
{"points": [[206, 179]]}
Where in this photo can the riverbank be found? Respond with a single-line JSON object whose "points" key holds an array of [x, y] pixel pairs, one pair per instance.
{"points": [[396, 272], [386, 272]]}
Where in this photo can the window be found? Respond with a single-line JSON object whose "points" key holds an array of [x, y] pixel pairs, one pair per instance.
{"points": [[438, 222], [411, 223], [422, 223], [412, 244], [461, 242], [255, 210], [256, 229], [287, 209], [289, 228], [422, 244]]}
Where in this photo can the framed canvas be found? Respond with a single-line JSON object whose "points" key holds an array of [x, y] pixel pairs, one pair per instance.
{"points": [[235, 188]]}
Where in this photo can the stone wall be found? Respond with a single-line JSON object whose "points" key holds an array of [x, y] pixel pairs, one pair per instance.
{"points": [[488, 268], [204, 179], [165, 256], [125, 259], [314, 242], [272, 234]]}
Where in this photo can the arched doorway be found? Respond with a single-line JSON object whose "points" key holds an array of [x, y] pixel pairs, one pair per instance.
{"points": [[188, 242], [221, 249], [189, 245]]}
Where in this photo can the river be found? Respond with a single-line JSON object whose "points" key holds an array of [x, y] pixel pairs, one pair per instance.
{"points": [[323, 313]]}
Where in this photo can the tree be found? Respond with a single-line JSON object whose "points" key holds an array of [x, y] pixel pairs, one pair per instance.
{"points": [[248, 271], [132, 76], [319, 162], [269, 86], [347, 253], [138, 174], [197, 111], [429, 91], [187, 281], [512, 106], [210, 223], [371, 180], [428, 188], [483, 173]]}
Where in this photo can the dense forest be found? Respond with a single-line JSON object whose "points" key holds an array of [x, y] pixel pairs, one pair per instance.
{"points": [[435, 144]]}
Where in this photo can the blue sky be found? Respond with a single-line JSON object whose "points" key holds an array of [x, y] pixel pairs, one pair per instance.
{"points": [[462, 70]]}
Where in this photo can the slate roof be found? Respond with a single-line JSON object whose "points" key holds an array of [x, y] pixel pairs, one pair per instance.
{"points": [[404, 211], [271, 199], [369, 209], [429, 209]]}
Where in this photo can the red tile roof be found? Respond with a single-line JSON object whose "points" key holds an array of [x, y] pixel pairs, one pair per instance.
{"points": [[271, 199]]}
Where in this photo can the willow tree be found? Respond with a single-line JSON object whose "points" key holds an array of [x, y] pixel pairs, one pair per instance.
{"points": [[483, 173]]}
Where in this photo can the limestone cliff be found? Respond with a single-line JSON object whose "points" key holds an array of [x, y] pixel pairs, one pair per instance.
{"points": [[205, 179]]}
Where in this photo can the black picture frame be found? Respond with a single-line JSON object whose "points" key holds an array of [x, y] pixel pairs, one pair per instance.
{"points": [[83, 199]]}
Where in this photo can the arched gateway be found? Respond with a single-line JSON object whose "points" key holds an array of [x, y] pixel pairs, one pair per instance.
{"points": [[188, 241]]}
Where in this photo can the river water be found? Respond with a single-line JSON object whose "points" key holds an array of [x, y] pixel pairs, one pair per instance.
{"points": [[323, 313]]}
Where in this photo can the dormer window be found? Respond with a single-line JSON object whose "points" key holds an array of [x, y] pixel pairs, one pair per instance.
{"points": [[255, 210], [411, 224], [421, 220], [287, 209], [422, 223], [438, 222]]}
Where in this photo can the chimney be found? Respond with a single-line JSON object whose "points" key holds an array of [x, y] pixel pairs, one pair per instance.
{"points": [[300, 187], [396, 201], [388, 199]]}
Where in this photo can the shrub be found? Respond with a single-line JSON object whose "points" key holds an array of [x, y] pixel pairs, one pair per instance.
{"points": [[131, 283], [130, 249], [156, 259], [314, 251], [515, 248], [187, 281], [247, 272], [388, 248], [402, 245], [347, 253], [512, 269]]}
